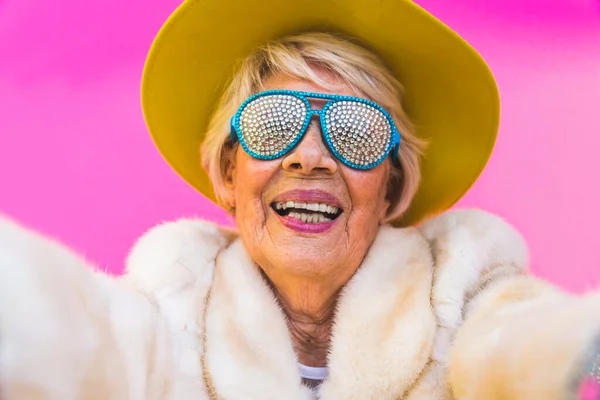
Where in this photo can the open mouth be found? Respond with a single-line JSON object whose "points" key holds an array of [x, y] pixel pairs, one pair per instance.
{"points": [[310, 213]]}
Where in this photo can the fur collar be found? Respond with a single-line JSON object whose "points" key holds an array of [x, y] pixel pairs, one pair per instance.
{"points": [[383, 330], [395, 321]]}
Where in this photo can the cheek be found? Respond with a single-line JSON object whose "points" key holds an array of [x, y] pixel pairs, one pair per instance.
{"points": [[251, 178], [368, 190]]}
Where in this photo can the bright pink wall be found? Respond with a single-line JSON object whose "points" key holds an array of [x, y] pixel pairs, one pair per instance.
{"points": [[76, 162]]}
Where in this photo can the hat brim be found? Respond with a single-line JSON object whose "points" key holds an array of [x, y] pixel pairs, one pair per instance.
{"points": [[450, 93]]}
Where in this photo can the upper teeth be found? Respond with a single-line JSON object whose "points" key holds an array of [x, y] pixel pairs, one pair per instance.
{"points": [[322, 207]]}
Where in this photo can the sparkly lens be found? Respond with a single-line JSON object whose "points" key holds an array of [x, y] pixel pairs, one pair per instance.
{"points": [[270, 124], [359, 132]]}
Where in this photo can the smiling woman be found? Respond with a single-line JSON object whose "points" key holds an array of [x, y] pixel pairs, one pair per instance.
{"points": [[345, 278], [309, 261]]}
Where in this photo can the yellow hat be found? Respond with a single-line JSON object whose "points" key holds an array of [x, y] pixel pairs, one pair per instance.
{"points": [[451, 95]]}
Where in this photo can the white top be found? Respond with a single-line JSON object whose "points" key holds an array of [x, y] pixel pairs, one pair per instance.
{"points": [[314, 373]]}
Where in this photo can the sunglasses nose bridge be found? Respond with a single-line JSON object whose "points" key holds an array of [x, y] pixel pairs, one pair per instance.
{"points": [[318, 116], [314, 114]]}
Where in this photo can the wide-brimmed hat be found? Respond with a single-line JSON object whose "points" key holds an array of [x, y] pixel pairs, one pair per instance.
{"points": [[450, 93]]}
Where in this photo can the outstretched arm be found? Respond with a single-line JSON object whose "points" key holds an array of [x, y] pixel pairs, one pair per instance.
{"points": [[67, 332], [503, 333], [525, 339]]}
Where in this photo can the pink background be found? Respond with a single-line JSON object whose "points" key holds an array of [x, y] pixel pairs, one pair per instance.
{"points": [[76, 161]]}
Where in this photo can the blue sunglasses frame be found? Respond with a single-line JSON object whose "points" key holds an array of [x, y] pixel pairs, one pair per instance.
{"points": [[393, 146]]}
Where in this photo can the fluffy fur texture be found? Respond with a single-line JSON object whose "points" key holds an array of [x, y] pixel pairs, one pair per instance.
{"points": [[443, 311]]}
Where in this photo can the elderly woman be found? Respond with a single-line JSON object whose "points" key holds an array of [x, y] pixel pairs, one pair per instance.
{"points": [[328, 288]]}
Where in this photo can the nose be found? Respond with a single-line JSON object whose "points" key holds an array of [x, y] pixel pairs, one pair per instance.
{"points": [[310, 156]]}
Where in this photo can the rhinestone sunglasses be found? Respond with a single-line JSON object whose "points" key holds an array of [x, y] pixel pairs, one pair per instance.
{"points": [[359, 132]]}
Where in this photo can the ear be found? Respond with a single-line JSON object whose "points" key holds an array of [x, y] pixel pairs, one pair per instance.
{"points": [[229, 178], [391, 196], [384, 211]]}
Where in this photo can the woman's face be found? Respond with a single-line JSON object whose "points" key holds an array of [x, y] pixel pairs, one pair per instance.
{"points": [[297, 240]]}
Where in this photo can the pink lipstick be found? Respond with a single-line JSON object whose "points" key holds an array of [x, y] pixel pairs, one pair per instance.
{"points": [[306, 198]]}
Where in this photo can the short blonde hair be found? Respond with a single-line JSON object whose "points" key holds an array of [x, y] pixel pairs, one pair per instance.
{"points": [[353, 65]]}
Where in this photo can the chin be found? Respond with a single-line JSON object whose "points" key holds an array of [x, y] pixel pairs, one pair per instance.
{"points": [[307, 263]]}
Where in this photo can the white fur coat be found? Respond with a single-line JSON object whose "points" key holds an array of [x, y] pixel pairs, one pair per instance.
{"points": [[442, 311]]}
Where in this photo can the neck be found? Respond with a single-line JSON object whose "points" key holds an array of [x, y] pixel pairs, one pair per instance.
{"points": [[309, 306]]}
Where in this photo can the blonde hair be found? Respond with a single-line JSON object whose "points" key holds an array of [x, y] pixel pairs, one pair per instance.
{"points": [[353, 65]]}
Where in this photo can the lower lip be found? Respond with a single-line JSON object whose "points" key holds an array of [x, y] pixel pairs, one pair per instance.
{"points": [[303, 227]]}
